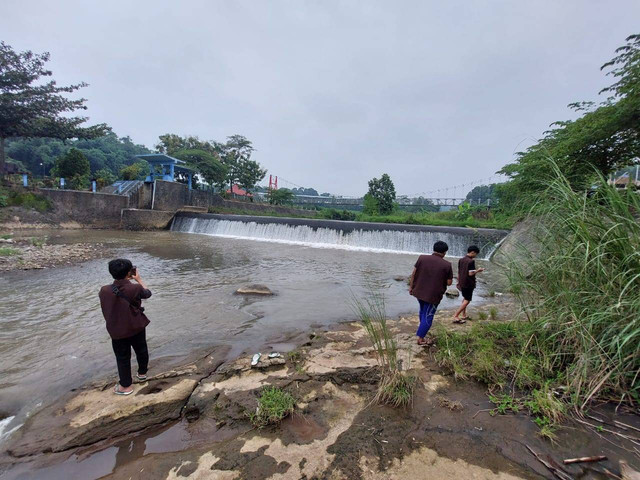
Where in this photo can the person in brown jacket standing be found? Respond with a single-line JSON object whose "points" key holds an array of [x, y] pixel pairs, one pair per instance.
{"points": [[429, 280], [121, 304]]}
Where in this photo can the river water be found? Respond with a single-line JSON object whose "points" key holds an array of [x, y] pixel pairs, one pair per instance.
{"points": [[52, 334]]}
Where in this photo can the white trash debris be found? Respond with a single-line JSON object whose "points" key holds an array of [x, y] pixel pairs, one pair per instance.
{"points": [[255, 359], [275, 355]]}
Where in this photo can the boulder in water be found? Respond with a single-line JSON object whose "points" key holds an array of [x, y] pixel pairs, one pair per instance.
{"points": [[452, 292], [254, 289], [401, 278]]}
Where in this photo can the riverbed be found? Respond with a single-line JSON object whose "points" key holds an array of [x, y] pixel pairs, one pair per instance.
{"points": [[52, 335]]}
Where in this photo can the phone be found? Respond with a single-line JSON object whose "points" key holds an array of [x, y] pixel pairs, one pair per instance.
{"points": [[134, 270]]}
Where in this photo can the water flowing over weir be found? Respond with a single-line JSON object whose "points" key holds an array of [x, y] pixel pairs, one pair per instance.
{"points": [[339, 234]]}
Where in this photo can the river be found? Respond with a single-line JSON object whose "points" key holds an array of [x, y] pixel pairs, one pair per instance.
{"points": [[52, 335]]}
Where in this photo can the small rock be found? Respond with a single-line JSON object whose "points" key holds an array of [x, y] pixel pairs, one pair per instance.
{"points": [[400, 278], [452, 293], [254, 289]]}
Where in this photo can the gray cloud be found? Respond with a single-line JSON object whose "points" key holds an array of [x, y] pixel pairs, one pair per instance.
{"points": [[333, 93]]}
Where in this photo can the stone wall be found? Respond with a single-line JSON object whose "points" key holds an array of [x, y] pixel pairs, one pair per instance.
{"points": [[95, 209], [135, 219]]}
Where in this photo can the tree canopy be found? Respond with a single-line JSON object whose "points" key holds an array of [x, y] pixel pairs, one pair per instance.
{"points": [[605, 137], [383, 192], [30, 107], [107, 152], [206, 164], [234, 155]]}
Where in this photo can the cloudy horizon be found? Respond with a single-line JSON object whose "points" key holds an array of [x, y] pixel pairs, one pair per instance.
{"points": [[334, 93]]}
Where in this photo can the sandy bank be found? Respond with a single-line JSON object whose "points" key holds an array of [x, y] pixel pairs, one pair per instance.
{"points": [[335, 432]]}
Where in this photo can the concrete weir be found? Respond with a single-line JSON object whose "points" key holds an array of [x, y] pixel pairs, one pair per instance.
{"points": [[388, 237]]}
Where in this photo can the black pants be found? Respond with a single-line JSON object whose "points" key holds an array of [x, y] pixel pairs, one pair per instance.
{"points": [[122, 349]]}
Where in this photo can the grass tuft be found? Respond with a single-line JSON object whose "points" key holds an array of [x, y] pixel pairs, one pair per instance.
{"points": [[274, 404], [8, 252], [396, 387]]}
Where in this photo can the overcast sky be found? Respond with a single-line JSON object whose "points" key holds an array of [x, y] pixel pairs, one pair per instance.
{"points": [[333, 93]]}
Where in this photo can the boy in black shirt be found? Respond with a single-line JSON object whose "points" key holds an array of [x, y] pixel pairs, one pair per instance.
{"points": [[466, 281]]}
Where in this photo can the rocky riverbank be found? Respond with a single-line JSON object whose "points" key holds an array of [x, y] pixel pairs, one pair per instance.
{"points": [[194, 422], [21, 252]]}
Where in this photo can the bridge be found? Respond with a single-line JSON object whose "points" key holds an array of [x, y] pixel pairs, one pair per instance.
{"points": [[358, 202], [441, 199]]}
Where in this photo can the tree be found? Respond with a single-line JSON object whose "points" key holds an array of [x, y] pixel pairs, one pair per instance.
{"points": [[73, 163], [107, 152], [370, 205], [29, 108], [207, 165], [281, 196], [104, 177], [137, 171], [604, 138], [384, 193], [482, 195], [249, 174]]}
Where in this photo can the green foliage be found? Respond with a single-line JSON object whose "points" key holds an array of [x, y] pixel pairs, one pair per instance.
{"points": [[8, 252], [32, 107], [104, 153], [384, 192], [493, 313], [136, 171], [491, 219], [333, 214], [396, 387], [274, 404], [281, 196], [579, 289], [483, 195], [12, 198], [234, 155], [38, 241], [104, 177], [370, 205], [604, 138], [78, 182], [206, 164], [71, 164]]}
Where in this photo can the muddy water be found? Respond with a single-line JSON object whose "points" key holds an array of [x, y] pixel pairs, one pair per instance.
{"points": [[52, 335]]}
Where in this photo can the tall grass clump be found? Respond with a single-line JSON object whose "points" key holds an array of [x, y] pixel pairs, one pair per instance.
{"points": [[581, 290], [396, 386]]}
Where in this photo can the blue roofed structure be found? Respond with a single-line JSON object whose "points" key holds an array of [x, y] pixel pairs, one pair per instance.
{"points": [[165, 167]]}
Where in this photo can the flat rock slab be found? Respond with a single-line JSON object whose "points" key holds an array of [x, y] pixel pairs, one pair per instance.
{"points": [[95, 413], [254, 289]]}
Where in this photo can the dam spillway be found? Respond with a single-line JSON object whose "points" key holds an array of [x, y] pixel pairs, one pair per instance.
{"points": [[376, 237]]}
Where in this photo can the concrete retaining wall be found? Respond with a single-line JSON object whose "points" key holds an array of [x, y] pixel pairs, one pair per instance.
{"points": [[135, 219], [96, 209]]}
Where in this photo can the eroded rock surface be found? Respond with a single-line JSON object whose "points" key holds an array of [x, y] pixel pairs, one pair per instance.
{"points": [[254, 289]]}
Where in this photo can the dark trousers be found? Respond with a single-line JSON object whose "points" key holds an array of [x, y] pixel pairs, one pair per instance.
{"points": [[122, 349]]}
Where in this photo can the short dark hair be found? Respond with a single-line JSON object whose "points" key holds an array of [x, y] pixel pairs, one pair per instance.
{"points": [[440, 247], [120, 268], [473, 248]]}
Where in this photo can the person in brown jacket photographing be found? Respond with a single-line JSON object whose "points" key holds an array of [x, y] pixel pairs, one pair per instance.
{"points": [[121, 304]]}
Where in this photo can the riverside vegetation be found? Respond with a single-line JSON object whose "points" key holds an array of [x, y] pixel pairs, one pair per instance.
{"points": [[578, 288]]}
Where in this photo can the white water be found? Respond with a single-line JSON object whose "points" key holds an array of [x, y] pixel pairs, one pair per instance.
{"points": [[5, 431], [391, 241]]}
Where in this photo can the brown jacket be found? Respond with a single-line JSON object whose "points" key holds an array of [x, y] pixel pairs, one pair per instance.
{"points": [[124, 319], [430, 279]]}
